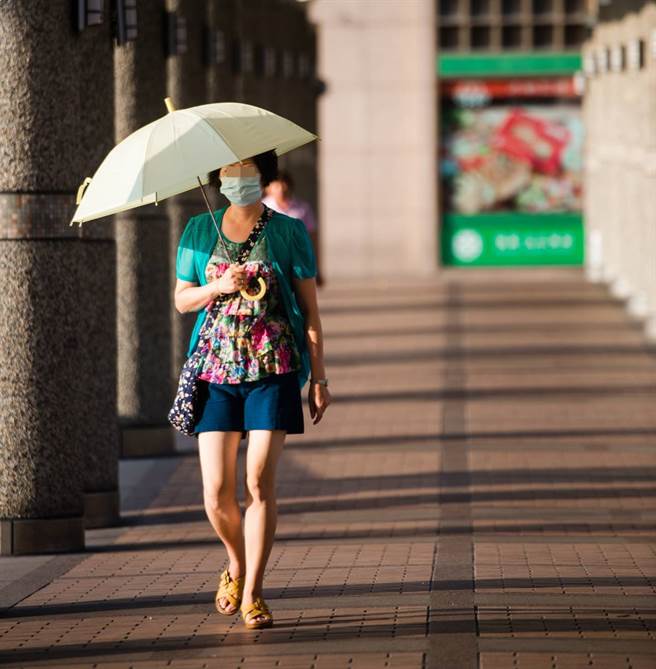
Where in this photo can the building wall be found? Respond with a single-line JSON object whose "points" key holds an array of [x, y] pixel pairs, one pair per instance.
{"points": [[525, 25]]}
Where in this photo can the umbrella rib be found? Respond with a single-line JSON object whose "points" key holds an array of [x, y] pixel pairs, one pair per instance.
{"points": [[207, 124], [143, 162]]}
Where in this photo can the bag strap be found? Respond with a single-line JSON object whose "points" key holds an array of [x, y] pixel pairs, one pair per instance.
{"points": [[249, 244], [255, 234]]}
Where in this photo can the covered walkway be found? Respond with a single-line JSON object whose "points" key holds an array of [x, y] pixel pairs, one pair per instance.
{"points": [[481, 493]]}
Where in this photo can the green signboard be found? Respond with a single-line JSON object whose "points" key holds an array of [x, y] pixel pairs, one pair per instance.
{"points": [[512, 238], [508, 64]]}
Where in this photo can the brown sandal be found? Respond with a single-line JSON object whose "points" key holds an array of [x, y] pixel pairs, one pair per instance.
{"points": [[231, 589], [257, 608]]}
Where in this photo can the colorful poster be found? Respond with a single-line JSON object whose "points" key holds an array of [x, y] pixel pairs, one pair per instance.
{"points": [[507, 147]]}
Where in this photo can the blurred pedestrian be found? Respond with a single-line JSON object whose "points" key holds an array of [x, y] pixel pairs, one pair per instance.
{"points": [[262, 345], [280, 196]]}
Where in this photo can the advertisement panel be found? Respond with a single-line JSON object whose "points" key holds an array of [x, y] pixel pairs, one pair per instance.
{"points": [[511, 171]]}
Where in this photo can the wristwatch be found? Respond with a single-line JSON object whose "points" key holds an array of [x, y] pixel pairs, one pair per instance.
{"points": [[321, 382]]}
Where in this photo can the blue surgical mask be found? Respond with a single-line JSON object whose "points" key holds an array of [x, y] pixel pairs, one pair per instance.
{"points": [[241, 190]]}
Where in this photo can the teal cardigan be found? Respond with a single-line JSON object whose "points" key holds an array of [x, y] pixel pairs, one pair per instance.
{"points": [[290, 252]]}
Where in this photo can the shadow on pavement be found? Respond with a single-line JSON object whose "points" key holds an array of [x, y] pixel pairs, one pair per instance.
{"points": [[201, 600], [544, 528]]}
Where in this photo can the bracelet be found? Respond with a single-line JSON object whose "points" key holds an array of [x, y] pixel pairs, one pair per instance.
{"points": [[321, 382]]}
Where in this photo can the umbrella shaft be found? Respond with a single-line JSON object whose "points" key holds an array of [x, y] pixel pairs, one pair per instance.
{"points": [[216, 225]]}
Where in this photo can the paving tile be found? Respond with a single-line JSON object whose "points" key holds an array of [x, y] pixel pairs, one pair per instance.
{"points": [[558, 415], [529, 660], [628, 570], [521, 622]]}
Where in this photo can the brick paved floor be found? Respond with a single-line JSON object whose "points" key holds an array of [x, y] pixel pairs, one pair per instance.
{"points": [[481, 493]]}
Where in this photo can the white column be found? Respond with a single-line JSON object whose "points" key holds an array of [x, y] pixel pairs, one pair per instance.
{"points": [[647, 22], [377, 123]]}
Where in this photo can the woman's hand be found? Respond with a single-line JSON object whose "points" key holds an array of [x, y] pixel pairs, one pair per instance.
{"points": [[232, 280], [318, 399]]}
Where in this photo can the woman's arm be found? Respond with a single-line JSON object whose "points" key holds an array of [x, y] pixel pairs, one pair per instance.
{"points": [[306, 294], [189, 296]]}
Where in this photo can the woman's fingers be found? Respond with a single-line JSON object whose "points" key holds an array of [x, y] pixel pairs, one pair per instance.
{"points": [[312, 405], [240, 278], [237, 275], [318, 407]]}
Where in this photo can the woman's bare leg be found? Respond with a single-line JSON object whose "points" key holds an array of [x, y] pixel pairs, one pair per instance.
{"points": [[264, 449], [218, 462]]}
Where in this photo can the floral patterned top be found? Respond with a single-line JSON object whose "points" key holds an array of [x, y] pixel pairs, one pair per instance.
{"points": [[250, 339]]}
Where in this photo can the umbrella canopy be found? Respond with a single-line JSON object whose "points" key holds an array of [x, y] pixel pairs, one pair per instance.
{"points": [[175, 153]]}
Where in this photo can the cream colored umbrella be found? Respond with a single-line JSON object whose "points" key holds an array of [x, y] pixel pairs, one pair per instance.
{"points": [[175, 153]]}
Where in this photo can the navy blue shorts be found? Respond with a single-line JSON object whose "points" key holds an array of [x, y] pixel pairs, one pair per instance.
{"points": [[271, 403]]}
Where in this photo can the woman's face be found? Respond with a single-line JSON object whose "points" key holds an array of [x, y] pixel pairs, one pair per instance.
{"points": [[245, 168], [278, 189]]}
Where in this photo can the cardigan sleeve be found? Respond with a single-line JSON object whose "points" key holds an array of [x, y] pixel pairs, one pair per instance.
{"points": [[304, 262], [185, 268]]}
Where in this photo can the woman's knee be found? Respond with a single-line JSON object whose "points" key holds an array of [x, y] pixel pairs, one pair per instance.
{"points": [[219, 497], [260, 489]]}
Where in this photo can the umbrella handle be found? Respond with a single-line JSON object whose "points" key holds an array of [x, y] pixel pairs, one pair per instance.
{"points": [[254, 296], [82, 189]]}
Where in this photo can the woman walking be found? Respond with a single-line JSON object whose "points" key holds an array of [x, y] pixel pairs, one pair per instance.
{"points": [[262, 347]]}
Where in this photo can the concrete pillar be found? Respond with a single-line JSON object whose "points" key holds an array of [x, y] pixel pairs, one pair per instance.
{"points": [[250, 31], [594, 238], [58, 435], [187, 86], [143, 285], [623, 284], [596, 204], [297, 98], [604, 203], [634, 223], [378, 150], [610, 149], [647, 82], [299, 103], [221, 21]]}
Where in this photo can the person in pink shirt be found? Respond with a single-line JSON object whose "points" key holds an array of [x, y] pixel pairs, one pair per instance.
{"points": [[280, 197]]}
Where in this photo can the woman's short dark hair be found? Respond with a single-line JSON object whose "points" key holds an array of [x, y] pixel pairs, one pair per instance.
{"points": [[267, 164], [286, 178]]}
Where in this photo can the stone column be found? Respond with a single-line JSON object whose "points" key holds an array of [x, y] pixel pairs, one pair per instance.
{"points": [[187, 86], [594, 237], [647, 23], [604, 178], [220, 16], [58, 436], [378, 151], [622, 284], [143, 286], [298, 101], [610, 205], [634, 222], [238, 54]]}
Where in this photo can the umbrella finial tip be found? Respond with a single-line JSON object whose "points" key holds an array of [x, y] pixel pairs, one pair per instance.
{"points": [[169, 105]]}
